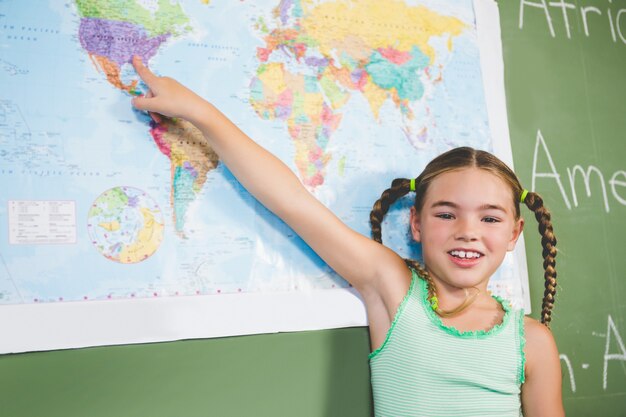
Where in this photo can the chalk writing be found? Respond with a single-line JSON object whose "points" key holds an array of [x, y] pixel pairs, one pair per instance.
{"points": [[611, 329], [611, 334], [572, 381], [617, 181], [590, 15]]}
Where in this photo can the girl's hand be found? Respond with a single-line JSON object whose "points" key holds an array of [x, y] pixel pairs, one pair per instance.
{"points": [[165, 95]]}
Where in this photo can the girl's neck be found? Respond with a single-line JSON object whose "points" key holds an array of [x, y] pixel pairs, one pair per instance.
{"points": [[450, 296], [483, 315], [449, 301]]}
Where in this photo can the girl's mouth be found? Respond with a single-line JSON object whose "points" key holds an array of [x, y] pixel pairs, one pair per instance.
{"points": [[465, 254], [465, 258]]}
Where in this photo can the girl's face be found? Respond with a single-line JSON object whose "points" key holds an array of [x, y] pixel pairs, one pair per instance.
{"points": [[466, 226]]}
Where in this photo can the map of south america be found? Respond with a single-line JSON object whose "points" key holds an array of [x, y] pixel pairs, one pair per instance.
{"points": [[112, 33]]}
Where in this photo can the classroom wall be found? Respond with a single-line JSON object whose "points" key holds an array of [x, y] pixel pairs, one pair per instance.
{"points": [[322, 373], [565, 89]]}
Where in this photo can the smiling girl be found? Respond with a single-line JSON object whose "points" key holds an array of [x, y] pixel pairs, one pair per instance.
{"points": [[441, 344]]}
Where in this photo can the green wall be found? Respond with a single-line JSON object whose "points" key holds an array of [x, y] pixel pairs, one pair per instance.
{"points": [[323, 373]]}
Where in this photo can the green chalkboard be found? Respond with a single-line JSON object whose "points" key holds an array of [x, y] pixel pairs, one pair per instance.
{"points": [[566, 101], [566, 91]]}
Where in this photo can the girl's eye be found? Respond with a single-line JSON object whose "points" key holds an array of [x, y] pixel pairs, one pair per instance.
{"points": [[446, 216], [491, 220]]}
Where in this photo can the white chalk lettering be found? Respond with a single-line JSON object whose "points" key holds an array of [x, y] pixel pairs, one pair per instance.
{"points": [[618, 179], [542, 4], [572, 381], [564, 6], [552, 174], [572, 180], [613, 182], [612, 356], [614, 19], [610, 16], [584, 11], [618, 24]]}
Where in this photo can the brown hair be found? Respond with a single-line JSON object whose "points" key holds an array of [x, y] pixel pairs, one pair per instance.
{"points": [[466, 157]]}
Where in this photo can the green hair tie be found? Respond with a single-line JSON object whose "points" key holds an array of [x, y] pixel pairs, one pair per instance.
{"points": [[523, 196], [412, 185]]}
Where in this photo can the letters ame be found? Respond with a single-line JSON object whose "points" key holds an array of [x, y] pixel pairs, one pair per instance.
{"points": [[616, 183]]}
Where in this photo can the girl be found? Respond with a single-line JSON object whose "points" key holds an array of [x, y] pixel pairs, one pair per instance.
{"points": [[441, 344]]}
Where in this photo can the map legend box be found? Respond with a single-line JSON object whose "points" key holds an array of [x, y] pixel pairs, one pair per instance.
{"points": [[40, 222]]}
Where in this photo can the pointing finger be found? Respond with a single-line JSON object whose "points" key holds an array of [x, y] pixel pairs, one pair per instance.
{"points": [[155, 116], [144, 73], [144, 103], [141, 102]]}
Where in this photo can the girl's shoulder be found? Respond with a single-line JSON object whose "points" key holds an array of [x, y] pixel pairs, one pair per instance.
{"points": [[541, 391], [538, 332], [540, 348]]}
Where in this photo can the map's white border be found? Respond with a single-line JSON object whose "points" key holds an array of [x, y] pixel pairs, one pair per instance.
{"points": [[50, 326], [492, 66]]}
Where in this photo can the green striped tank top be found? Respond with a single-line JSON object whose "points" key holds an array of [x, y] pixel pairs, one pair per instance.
{"points": [[425, 368]]}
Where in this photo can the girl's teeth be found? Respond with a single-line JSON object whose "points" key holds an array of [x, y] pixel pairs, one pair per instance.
{"points": [[464, 254]]}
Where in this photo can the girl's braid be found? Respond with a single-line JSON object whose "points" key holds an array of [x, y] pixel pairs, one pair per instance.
{"points": [[548, 241], [399, 188]]}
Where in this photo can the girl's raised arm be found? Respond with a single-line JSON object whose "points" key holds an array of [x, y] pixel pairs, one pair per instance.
{"points": [[356, 258]]}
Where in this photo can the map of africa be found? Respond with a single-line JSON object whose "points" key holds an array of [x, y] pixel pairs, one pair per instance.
{"points": [[101, 202]]}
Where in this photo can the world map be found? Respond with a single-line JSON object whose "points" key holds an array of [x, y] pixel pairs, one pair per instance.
{"points": [[349, 94]]}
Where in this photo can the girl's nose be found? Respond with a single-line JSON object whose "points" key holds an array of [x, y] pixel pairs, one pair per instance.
{"points": [[466, 231]]}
